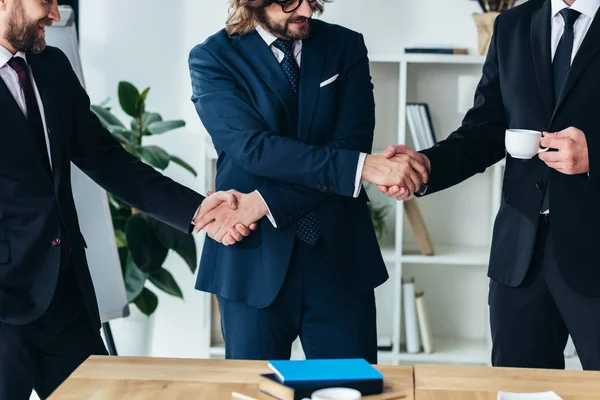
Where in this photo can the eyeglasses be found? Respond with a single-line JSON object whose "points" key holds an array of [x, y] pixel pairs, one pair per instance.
{"points": [[289, 6]]}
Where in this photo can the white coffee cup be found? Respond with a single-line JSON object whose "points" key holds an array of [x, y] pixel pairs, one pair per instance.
{"points": [[336, 394], [523, 143]]}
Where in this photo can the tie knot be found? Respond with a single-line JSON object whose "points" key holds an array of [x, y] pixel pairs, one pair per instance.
{"points": [[284, 45], [18, 64], [569, 16]]}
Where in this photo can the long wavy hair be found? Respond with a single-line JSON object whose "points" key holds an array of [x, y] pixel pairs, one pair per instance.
{"points": [[243, 14]]}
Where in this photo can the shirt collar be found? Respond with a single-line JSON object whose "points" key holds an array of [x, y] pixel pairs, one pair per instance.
{"points": [[586, 7], [6, 55], [269, 38]]}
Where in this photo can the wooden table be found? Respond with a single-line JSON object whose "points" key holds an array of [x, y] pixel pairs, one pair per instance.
{"points": [[450, 382], [116, 378]]}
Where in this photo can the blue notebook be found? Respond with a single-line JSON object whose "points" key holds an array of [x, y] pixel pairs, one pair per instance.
{"points": [[297, 371]]}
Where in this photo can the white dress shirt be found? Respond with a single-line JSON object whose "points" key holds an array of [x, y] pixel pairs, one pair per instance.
{"points": [[587, 8], [279, 55], [11, 79]]}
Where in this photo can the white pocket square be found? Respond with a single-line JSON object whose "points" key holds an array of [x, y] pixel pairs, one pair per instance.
{"points": [[330, 80]]}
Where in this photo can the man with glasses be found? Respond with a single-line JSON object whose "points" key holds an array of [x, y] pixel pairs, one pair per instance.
{"points": [[288, 102]]}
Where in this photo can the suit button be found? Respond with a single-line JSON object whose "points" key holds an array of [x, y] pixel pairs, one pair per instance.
{"points": [[539, 185], [55, 242], [335, 189]]}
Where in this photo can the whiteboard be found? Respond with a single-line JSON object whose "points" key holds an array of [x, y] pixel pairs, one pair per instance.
{"points": [[91, 200]]}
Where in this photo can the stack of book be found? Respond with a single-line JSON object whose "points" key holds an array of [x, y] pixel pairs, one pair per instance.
{"points": [[436, 50], [298, 379]]}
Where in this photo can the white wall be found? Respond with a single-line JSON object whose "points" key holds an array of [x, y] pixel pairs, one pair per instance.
{"points": [[147, 42]]}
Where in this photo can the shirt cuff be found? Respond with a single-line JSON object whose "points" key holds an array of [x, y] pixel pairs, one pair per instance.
{"points": [[269, 215], [359, 169]]}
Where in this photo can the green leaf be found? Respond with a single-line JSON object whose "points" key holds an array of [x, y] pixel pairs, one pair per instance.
{"points": [[156, 128], [121, 238], [185, 165], [128, 98], [163, 280], [149, 118], [146, 302], [104, 103], [140, 105], [123, 135], [147, 251], [154, 156], [106, 118], [135, 279], [182, 243]]}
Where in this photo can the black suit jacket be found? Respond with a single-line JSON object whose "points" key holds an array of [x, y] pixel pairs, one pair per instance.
{"points": [[516, 91], [33, 203]]}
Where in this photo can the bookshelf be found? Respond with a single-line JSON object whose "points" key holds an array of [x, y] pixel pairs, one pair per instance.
{"points": [[459, 220]]}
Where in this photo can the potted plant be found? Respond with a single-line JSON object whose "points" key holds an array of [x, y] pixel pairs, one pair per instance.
{"points": [[485, 20], [143, 242], [378, 214]]}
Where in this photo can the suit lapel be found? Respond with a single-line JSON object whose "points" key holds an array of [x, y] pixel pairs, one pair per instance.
{"points": [[43, 81], [255, 50], [588, 50], [540, 46], [313, 59]]}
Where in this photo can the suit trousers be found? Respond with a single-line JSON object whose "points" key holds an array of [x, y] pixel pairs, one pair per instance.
{"points": [[313, 304], [42, 354], [531, 323]]}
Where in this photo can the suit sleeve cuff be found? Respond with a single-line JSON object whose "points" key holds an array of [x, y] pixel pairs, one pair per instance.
{"points": [[359, 170], [269, 215]]}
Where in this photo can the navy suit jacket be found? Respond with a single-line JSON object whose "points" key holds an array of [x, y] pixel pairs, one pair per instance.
{"points": [[36, 208], [517, 91], [299, 157]]}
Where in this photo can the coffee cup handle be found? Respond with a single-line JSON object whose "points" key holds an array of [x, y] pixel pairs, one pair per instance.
{"points": [[543, 149]]}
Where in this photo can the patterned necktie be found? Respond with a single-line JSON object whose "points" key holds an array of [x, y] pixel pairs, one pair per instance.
{"points": [[561, 66], [33, 111], [308, 227], [34, 117]]}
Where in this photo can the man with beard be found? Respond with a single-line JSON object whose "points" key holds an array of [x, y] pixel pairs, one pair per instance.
{"points": [[288, 102], [49, 320]]}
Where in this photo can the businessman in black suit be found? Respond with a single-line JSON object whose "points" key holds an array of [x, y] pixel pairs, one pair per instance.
{"points": [[542, 73], [49, 321]]}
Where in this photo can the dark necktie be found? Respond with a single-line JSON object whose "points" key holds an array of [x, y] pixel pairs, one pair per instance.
{"points": [[33, 111], [308, 227], [561, 66], [34, 117], [564, 51]]}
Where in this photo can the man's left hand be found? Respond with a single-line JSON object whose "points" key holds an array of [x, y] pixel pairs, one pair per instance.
{"points": [[572, 155]]}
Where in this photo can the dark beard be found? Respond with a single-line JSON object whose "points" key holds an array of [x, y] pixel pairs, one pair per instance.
{"points": [[24, 36], [283, 31]]}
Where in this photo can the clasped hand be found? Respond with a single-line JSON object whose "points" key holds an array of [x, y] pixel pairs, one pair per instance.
{"points": [[398, 172], [228, 217]]}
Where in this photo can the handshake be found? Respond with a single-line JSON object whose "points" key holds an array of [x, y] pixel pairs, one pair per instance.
{"points": [[228, 217]]}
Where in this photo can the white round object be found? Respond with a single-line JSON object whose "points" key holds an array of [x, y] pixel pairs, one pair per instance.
{"points": [[336, 394]]}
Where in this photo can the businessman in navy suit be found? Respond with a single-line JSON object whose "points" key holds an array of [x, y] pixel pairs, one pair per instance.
{"points": [[288, 102]]}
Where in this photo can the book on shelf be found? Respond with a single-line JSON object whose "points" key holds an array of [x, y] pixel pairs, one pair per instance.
{"points": [[415, 326], [413, 342], [420, 125], [436, 50], [415, 218], [424, 327]]}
